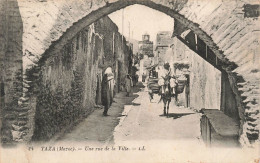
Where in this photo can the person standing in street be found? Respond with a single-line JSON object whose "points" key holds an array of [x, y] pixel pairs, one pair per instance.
{"points": [[128, 84], [105, 94], [107, 89], [111, 84]]}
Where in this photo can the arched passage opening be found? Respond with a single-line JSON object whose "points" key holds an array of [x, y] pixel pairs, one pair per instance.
{"points": [[196, 39], [196, 31], [112, 7]]}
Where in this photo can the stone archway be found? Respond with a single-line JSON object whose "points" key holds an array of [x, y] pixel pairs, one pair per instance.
{"points": [[225, 38], [111, 7], [227, 65]]}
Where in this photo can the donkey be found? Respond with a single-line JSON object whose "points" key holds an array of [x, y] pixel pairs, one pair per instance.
{"points": [[166, 95]]}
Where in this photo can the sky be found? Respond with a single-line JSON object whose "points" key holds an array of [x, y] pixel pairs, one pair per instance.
{"points": [[142, 20]]}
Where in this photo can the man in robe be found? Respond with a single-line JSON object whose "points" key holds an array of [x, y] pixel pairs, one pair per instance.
{"points": [[107, 90], [128, 84], [163, 73]]}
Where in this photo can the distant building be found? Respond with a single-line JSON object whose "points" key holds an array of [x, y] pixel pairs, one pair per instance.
{"points": [[146, 46], [145, 52], [163, 42]]}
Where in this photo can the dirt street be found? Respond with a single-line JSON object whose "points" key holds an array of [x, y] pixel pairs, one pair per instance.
{"points": [[136, 130], [135, 118], [145, 121]]}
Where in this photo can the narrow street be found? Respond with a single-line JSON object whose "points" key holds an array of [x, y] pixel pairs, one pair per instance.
{"points": [[78, 87], [135, 118], [145, 122], [99, 129]]}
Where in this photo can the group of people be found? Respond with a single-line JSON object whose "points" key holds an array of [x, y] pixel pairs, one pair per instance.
{"points": [[108, 84], [107, 88]]}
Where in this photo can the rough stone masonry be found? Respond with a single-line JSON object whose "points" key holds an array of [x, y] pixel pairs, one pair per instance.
{"points": [[222, 25]]}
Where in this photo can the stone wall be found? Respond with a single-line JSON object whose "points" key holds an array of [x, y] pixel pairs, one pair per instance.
{"points": [[161, 54], [205, 84], [67, 85], [205, 80], [163, 42], [122, 54], [220, 24], [237, 38], [11, 28], [228, 98], [67, 80]]}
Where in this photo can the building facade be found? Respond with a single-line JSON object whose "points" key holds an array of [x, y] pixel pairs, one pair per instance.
{"points": [[145, 53], [202, 81], [163, 43], [145, 47]]}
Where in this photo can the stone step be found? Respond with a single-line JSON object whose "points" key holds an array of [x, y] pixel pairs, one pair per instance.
{"points": [[20, 123], [24, 118], [22, 110], [23, 99], [19, 128], [10, 116], [23, 114]]}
